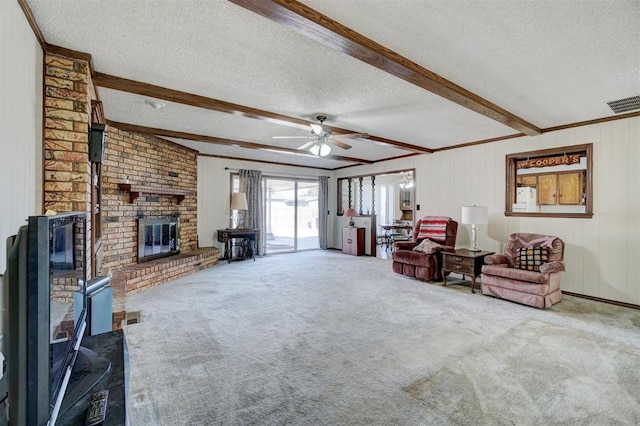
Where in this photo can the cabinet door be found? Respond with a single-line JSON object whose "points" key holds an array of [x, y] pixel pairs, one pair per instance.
{"points": [[351, 240], [547, 189], [347, 241], [406, 202], [569, 188]]}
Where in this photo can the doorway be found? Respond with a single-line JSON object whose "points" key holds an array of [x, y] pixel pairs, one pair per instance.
{"points": [[389, 198], [291, 215]]}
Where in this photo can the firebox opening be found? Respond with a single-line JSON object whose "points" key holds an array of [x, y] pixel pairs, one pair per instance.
{"points": [[158, 237]]}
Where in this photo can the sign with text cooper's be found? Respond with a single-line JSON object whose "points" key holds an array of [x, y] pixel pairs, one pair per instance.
{"points": [[561, 160]]}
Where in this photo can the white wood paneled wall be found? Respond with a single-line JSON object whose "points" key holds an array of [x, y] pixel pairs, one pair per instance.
{"points": [[600, 253], [214, 187], [20, 123]]}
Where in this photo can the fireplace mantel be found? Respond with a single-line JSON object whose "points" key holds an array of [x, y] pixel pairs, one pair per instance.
{"points": [[137, 190]]}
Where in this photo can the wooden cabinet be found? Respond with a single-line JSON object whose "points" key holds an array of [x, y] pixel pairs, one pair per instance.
{"points": [[528, 180], [570, 188], [547, 189], [406, 203], [556, 188], [353, 241]]}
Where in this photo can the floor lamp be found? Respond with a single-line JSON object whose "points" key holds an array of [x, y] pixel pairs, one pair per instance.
{"points": [[238, 202], [475, 215]]}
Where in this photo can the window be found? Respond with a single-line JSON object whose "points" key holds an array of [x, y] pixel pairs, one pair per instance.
{"points": [[553, 182]]}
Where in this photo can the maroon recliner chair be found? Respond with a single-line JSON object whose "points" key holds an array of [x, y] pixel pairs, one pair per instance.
{"points": [[425, 266]]}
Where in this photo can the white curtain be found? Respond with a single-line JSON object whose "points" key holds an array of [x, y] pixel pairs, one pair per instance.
{"points": [[251, 184]]}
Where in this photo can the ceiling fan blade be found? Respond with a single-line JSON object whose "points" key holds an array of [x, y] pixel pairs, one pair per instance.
{"points": [[291, 137], [352, 135], [339, 144], [307, 145]]}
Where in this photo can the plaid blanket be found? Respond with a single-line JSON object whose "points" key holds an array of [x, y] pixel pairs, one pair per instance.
{"points": [[434, 228]]}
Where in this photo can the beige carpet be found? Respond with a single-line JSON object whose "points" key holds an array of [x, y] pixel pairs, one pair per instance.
{"points": [[324, 338]]}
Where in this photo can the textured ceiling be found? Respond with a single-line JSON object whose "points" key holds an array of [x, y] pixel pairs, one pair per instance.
{"points": [[550, 63]]}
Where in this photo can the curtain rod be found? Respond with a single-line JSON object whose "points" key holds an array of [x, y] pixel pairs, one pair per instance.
{"points": [[281, 173]]}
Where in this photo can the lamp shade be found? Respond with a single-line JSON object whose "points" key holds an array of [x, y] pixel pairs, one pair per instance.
{"points": [[320, 149], [239, 201], [351, 212], [475, 215]]}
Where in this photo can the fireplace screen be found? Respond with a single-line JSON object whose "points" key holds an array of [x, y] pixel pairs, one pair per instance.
{"points": [[158, 237]]}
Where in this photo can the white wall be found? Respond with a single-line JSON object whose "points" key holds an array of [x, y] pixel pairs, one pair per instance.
{"points": [[214, 192], [600, 253], [20, 123]]}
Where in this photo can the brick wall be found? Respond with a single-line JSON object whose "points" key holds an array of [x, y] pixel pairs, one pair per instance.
{"points": [[156, 272], [67, 170], [149, 161], [66, 166]]}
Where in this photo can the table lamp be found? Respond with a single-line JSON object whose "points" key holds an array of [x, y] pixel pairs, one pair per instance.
{"points": [[475, 215], [351, 212], [238, 202]]}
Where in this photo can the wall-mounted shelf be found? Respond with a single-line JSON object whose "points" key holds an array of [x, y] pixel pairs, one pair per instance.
{"points": [[137, 190]]}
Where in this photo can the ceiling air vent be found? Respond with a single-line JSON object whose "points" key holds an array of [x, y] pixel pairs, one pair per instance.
{"points": [[625, 105]]}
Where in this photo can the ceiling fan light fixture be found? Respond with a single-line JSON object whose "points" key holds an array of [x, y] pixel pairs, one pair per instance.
{"points": [[324, 150], [321, 139], [320, 149], [407, 183]]}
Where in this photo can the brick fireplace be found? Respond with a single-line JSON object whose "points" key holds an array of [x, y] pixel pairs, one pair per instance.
{"points": [[150, 162], [145, 161], [138, 232]]}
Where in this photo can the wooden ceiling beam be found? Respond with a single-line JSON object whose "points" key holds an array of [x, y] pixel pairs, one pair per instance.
{"points": [[396, 144], [143, 130], [316, 26], [171, 95]]}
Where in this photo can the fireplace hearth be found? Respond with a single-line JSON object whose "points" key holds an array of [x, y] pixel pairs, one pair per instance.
{"points": [[158, 237]]}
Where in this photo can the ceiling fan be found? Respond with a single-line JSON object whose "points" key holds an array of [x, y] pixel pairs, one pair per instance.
{"points": [[321, 137]]}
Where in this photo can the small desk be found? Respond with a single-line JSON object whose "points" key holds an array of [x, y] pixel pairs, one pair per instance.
{"points": [[464, 262], [243, 239]]}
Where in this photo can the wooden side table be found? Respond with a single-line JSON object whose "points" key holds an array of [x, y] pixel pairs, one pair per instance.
{"points": [[464, 262]]}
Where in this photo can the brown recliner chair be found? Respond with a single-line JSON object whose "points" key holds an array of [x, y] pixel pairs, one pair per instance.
{"points": [[528, 272], [426, 266]]}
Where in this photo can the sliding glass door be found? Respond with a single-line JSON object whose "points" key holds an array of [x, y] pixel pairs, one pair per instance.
{"points": [[291, 214]]}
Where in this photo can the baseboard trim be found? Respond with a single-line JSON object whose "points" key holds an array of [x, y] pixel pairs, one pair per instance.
{"points": [[599, 299]]}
